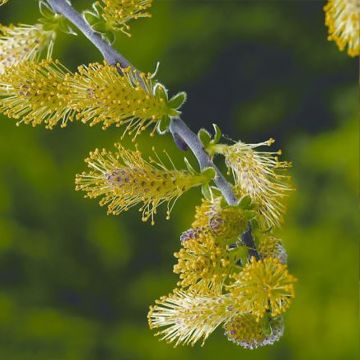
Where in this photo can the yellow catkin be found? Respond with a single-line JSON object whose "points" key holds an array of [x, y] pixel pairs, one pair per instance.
{"points": [[100, 94], [188, 317], [244, 330], [117, 13], [2, 2], [262, 286], [203, 263], [258, 175], [34, 92], [124, 179], [342, 17], [22, 42]]}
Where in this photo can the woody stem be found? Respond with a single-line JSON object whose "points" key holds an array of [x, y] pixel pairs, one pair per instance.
{"points": [[183, 136]]}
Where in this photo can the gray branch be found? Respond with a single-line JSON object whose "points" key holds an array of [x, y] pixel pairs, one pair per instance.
{"points": [[178, 128], [180, 131]]}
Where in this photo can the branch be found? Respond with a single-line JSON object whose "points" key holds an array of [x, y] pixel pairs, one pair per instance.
{"points": [[181, 133], [248, 241], [179, 129]]}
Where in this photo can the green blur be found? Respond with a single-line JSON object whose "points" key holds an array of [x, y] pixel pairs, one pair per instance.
{"points": [[75, 284]]}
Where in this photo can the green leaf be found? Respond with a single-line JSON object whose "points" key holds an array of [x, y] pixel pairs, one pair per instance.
{"points": [[204, 137], [161, 91], [245, 202], [209, 173], [189, 166], [206, 191], [178, 100], [217, 134], [163, 125]]}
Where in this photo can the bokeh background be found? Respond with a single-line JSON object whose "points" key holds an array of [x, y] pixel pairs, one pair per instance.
{"points": [[75, 284]]}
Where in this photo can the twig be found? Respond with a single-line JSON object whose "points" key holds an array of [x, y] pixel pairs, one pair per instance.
{"points": [[181, 133]]}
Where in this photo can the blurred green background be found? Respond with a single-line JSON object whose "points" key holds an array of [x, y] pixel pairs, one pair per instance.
{"points": [[76, 284]]}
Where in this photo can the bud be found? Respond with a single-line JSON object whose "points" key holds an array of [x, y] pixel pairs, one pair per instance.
{"points": [[22, 43], [245, 331], [100, 94], [189, 318], [34, 93], [124, 179], [342, 17], [262, 286], [228, 223]]}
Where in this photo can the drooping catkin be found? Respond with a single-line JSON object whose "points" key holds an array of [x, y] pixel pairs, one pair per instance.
{"points": [[124, 179], [100, 94]]}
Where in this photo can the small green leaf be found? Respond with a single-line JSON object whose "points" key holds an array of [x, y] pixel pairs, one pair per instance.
{"points": [[254, 223], [206, 191], [178, 100], [245, 202], [163, 125], [217, 134], [161, 91], [189, 166], [204, 137], [173, 112], [209, 173]]}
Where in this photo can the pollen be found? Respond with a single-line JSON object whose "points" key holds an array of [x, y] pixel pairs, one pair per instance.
{"points": [[100, 94], [188, 317], [124, 179], [34, 92], [342, 17], [22, 43], [262, 286], [117, 13], [259, 175], [244, 330]]}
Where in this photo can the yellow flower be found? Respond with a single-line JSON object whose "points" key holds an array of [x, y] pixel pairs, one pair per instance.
{"points": [[246, 331], [257, 174], [23, 42], [2, 2], [270, 246], [262, 286], [189, 318], [124, 179], [203, 263], [117, 13], [342, 18], [34, 92], [100, 94]]}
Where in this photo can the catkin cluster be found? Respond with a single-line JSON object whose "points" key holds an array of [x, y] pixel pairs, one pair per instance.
{"points": [[220, 284], [232, 268]]}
